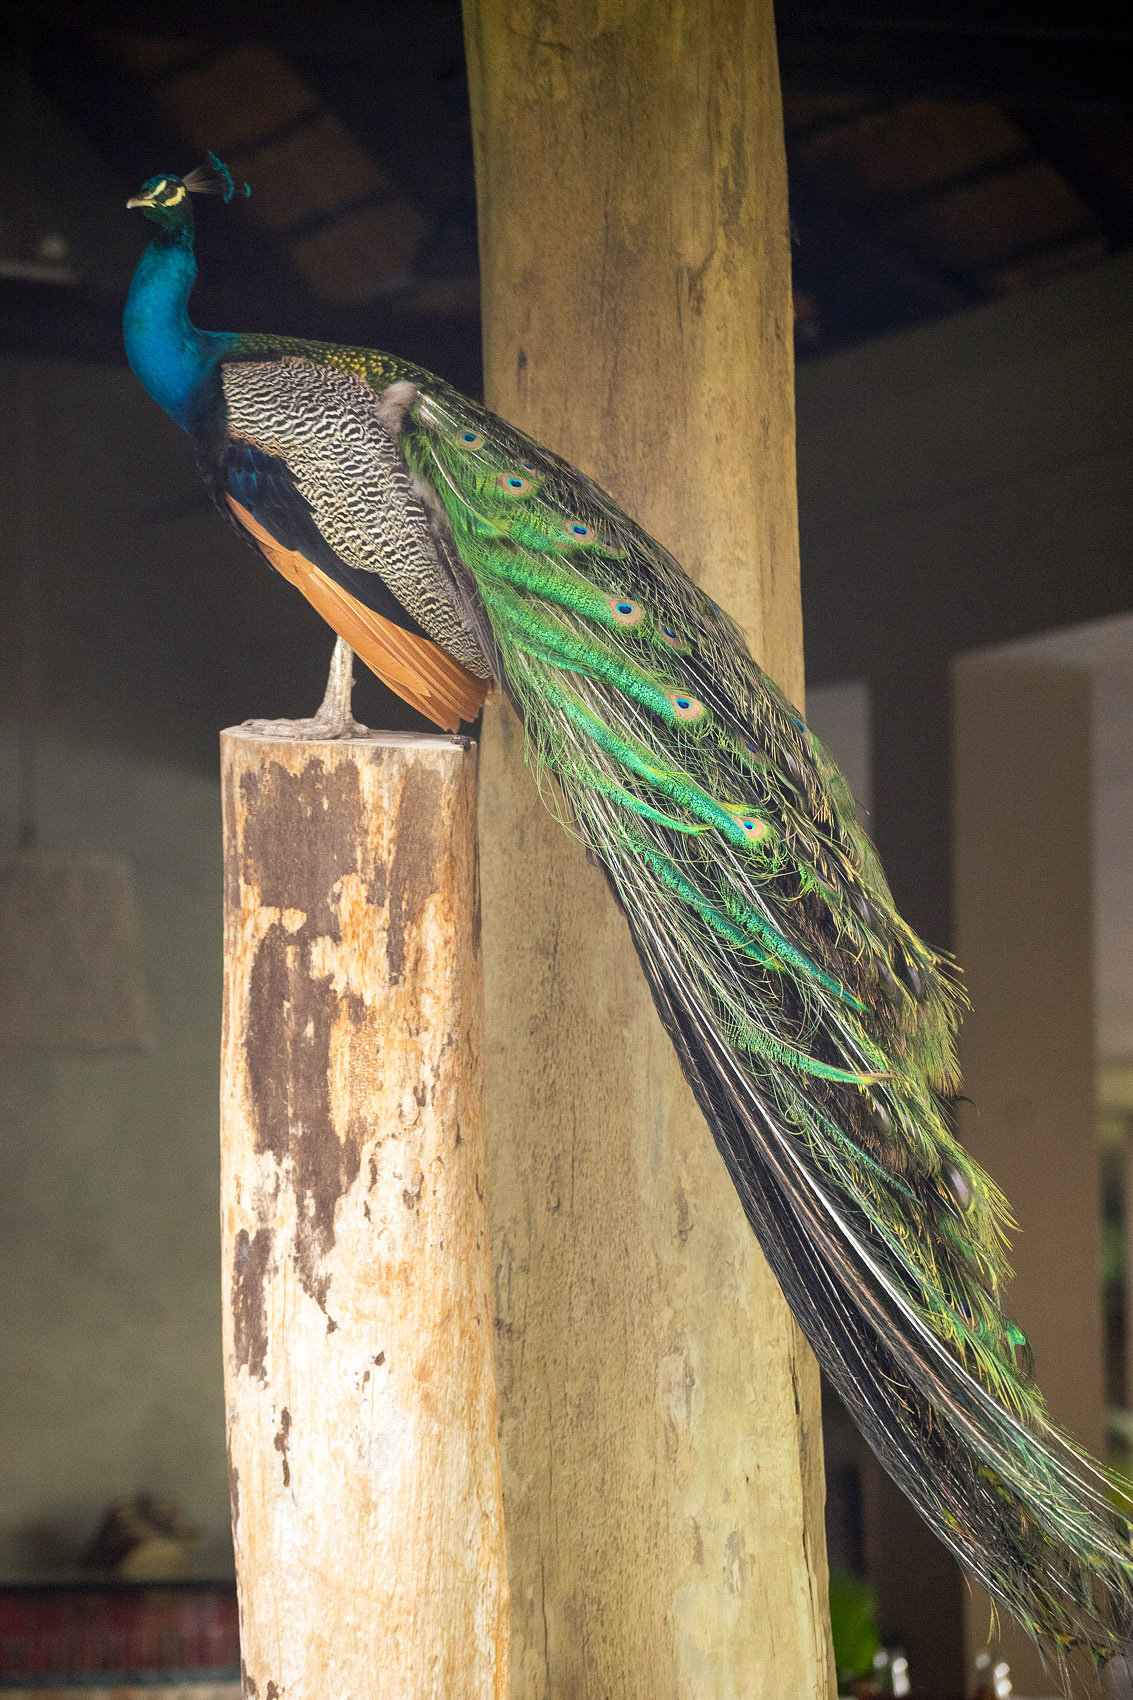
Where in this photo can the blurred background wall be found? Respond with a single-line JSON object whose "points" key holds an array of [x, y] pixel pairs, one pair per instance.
{"points": [[109, 1232], [975, 474]]}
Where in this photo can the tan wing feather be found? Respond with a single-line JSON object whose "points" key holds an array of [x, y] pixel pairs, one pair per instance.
{"points": [[420, 672]]}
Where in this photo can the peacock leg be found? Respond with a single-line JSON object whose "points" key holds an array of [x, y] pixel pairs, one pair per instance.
{"points": [[334, 717]]}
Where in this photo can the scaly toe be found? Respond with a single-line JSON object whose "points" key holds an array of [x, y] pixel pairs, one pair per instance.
{"points": [[316, 729]]}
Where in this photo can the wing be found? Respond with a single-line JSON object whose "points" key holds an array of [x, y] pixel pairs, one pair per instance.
{"points": [[815, 1028], [312, 478]]}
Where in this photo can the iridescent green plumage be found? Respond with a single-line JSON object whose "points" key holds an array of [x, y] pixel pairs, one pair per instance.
{"points": [[815, 1028]]}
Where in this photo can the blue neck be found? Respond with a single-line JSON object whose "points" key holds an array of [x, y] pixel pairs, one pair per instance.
{"points": [[168, 353]]}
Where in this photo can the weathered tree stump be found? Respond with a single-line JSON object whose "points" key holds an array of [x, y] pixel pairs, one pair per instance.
{"points": [[357, 1320]]}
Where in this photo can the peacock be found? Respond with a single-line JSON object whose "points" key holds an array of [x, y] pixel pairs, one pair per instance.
{"points": [[452, 552]]}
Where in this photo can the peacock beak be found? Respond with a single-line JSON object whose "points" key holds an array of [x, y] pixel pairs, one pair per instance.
{"points": [[139, 201]]}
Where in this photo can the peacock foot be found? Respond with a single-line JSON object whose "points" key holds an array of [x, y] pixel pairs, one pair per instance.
{"points": [[317, 728], [334, 717]]}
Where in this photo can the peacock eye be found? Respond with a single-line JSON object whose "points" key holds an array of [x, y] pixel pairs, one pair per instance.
{"points": [[958, 1185], [625, 612], [577, 532], [468, 439], [685, 707], [512, 484], [751, 826]]}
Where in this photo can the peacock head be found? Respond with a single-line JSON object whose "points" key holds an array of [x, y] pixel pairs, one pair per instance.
{"points": [[165, 198]]}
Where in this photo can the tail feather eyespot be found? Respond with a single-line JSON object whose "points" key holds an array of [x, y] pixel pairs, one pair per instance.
{"points": [[751, 825], [958, 1185], [514, 484], [468, 439], [686, 707], [880, 1113], [625, 611]]}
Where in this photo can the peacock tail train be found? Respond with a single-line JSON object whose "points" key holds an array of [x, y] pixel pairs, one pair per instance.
{"points": [[814, 1027]]}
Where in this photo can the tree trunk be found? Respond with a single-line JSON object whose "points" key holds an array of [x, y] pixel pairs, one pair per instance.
{"points": [[660, 1427], [358, 1357]]}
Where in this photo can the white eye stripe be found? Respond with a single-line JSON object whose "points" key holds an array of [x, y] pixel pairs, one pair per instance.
{"points": [[177, 195]]}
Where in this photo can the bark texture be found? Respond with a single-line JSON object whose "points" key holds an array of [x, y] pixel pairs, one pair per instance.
{"points": [[358, 1355], [660, 1425]]}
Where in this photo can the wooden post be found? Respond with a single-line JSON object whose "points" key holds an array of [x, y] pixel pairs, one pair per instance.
{"points": [[660, 1426], [361, 1402]]}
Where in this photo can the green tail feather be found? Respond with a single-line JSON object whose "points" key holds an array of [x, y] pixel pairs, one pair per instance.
{"points": [[816, 1029]]}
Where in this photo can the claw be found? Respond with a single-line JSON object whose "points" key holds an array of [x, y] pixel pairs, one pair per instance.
{"points": [[334, 718]]}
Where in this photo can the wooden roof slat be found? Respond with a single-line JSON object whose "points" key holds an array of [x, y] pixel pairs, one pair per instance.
{"points": [[976, 224], [916, 145]]}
